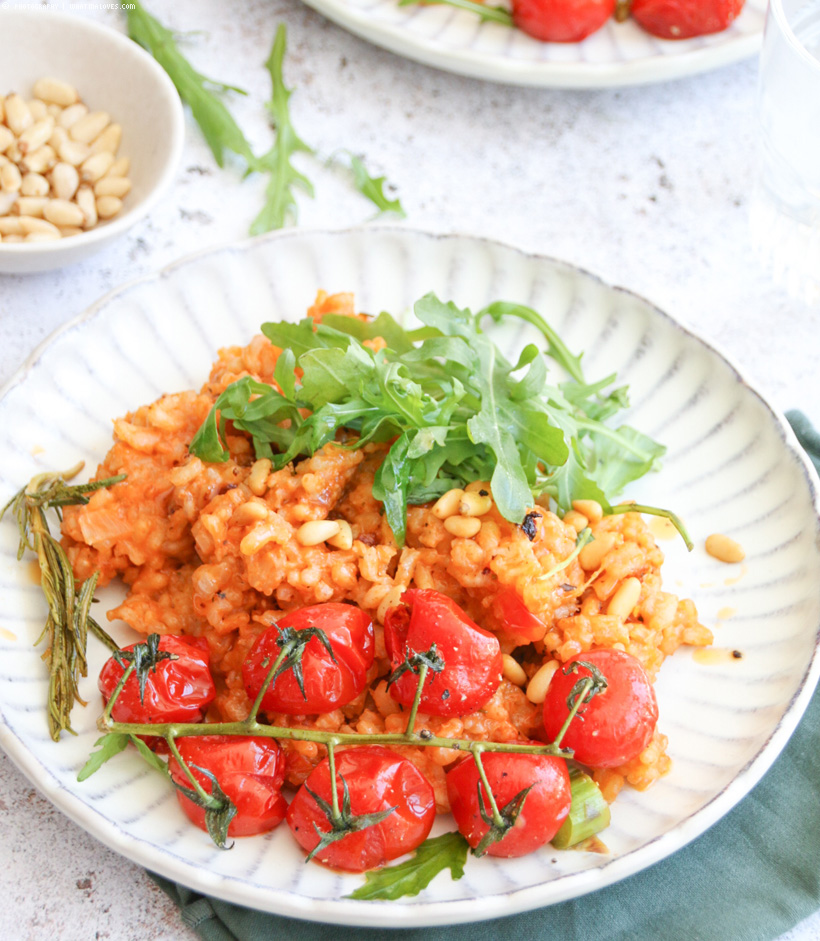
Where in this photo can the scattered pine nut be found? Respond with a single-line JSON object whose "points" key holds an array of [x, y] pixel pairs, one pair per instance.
{"points": [[108, 206], [53, 91], [625, 598], [89, 127], [118, 186], [63, 212], [513, 670], [591, 509], [315, 532], [344, 539], [34, 184], [462, 527], [64, 180], [591, 556], [540, 681], [108, 141], [724, 549]]}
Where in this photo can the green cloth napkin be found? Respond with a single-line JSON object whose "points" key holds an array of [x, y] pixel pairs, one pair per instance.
{"points": [[751, 877]]}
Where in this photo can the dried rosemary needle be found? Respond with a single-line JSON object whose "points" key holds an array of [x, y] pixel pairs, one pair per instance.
{"points": [[69, 620]]}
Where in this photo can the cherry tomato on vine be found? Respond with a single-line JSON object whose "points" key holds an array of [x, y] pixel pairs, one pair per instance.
{"points": [[561, 20], [516, 618], [176, 690], [328, 684], [377, 779], [616, 724], [249, 770], [544, 809], [471, 655]]}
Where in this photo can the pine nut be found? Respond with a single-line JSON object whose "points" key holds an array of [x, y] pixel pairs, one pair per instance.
{"points": [[513, 670], [43, 236], [118, 186], [65, 179], [67, 230], [2, 110], [476, 486], [53, 91], [10, 178], [250, 512], [7, 138], [96, 166], [74, 152], [723, 548], [462, 527], [58, 137], [576, 520], [34, 184], [40, 160], [625, 598], [540, 681], [10, 239], [88, 204], [344, 540], [13, 152], [447, 504], [591, 509], [38, 109], [120, 167], [474, 504], [89, 127], [63, 212], [10, 225], [18, 116], [29, 224], [35, 136], [109, 140], [31, 206], [54, 110], [591, 556], [108, 206], [317, 531], [72, 115], [258, 477]]}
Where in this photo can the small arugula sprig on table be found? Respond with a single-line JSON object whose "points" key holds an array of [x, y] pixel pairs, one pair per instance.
{"points": [[223, 134], [452, 408]]}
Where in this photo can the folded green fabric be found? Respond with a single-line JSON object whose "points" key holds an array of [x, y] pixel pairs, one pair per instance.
{"points": [[751, 877]]}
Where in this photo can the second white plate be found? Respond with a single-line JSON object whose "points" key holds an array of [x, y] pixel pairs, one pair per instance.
{"points": [[618, 54]]}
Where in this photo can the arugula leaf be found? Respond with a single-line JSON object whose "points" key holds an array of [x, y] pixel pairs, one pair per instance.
{"points": [[448, 851], [280, 204], [452, 407], [486, 13], [109, 746], [218, 126], [373, 188]]}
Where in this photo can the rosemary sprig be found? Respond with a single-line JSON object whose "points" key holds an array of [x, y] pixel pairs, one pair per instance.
{"points": [[69, 620]]}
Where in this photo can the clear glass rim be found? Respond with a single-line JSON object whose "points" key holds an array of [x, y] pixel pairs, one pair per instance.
{"points": [[779, 14]]}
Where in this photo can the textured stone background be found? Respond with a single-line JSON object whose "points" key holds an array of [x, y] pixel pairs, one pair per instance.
{"points": [[646, 187]]}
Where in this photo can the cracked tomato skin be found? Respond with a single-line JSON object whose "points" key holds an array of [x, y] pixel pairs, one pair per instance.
{"points": [[328, 685], [249, 770], [545, 807], [176, 691], [471, 655], [683, 19], [561, 20], [615, 725], [377, 779]]}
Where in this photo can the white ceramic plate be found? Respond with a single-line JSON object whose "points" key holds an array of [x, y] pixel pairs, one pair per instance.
{"points": [[618, 54], [732, 466]]}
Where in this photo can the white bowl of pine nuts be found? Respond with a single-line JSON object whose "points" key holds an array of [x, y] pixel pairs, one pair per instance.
{"points": [[91, 135]]}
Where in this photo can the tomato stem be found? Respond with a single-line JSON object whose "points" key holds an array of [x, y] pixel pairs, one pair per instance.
{"points": [[170, 738], [411, 719], [584, 687], [498, 820], [257, 703], [334, 794], [106, 716]]}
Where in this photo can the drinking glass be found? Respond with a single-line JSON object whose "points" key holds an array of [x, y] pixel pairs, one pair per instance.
{"points": [[785, 208]]}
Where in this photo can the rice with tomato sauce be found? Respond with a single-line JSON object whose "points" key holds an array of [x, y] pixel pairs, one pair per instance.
{"points": [[210, 550]]}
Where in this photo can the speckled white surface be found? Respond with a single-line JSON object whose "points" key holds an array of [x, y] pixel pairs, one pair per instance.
{"points": [[647, 187]]}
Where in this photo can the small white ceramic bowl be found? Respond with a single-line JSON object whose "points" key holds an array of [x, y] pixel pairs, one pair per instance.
{"points": [[112, 74]]}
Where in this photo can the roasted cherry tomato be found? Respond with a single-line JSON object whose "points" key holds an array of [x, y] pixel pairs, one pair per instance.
{"points": [[176, 690], [544, 810], [616, 724], [561, 20], [471, 655], [328, 684], [249, 770], [682, 19], [516, 618], [377, 779]]}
